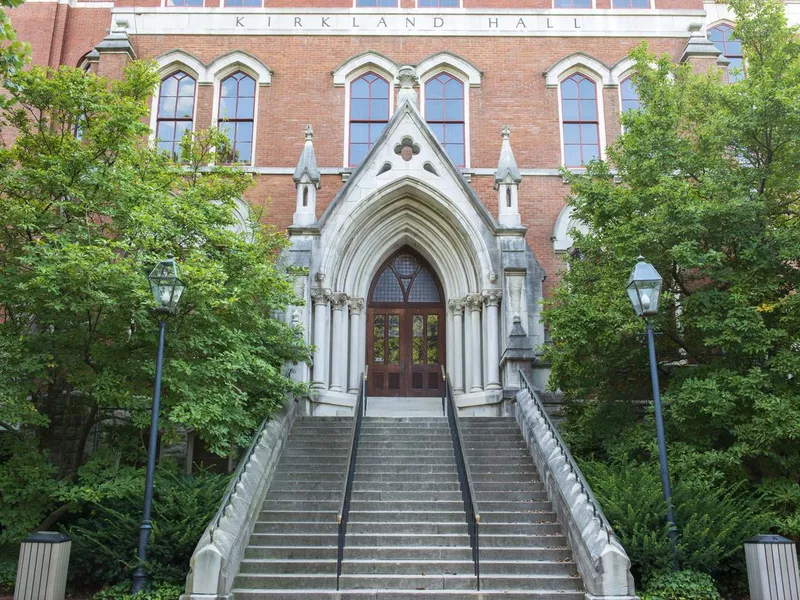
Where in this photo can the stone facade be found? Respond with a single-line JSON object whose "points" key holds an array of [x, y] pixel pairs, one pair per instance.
{"points": [[494, 229]]}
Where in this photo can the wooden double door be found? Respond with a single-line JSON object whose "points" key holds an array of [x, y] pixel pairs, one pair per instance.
{"points": [[405, 329]]}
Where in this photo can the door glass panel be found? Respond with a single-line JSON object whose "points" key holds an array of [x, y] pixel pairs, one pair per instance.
{"points": [[394, 339], [418, 340], [433, 339], [378, 331]]}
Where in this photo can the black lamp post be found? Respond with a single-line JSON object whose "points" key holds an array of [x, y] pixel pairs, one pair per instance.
{"points": [[167, 288], [644, 290]]}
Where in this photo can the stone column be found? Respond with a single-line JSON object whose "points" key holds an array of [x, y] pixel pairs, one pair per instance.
{"points": [[356, 305], [492, 300], [320, 297], [339, 354], [475, 376], [457, 310]]}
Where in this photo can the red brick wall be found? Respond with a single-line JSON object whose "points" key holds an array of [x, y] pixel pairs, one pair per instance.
{"points": [[512, 92]]}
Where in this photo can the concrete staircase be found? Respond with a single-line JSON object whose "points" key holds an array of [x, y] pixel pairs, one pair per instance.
{"points": [[294, 541], [523, 546], [407, 535]]}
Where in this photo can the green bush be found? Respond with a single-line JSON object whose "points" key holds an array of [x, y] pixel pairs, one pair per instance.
{"points": [[681, 585], [8, 575], [712, 522], [104, 537], [158, 591]]}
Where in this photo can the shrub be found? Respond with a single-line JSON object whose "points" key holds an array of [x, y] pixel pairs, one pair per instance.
{"points": [[157, 591], [681, 585], [104, 537], [713, 523], [8, 575]]}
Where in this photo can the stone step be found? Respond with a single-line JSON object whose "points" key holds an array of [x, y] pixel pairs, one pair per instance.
{"points": [[514, 506], [282, 566], [408, 452], [545, 515], [391, 594], [364, 496], [507, 486], [502, 496], [285, 485], [291, 552], [299, 515], [294, 539], [372, 445], [409, 506], [528, 529], [310, 495], [338, 462], [406, 460], [407, 567], [525, 541], [409, 486], [301, 505], [401, 539], [401, 468], [298, 527], [377, 476], [412, 527], [380, 515]]}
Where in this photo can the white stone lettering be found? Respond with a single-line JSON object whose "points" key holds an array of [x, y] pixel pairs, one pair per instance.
{"points": [[493, 22], [438, 22], [521, 23], [325, 22], [239, 22], [298, 22], [411, 21]]}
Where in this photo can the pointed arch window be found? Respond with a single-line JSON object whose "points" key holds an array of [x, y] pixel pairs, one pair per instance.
{"points": [[629, 96], [369, 113], [185, 3], [444, 112], [438, 3], [237, 98], [405, 279], [175, 111], [580, 120], [246, 3], [722, 37], [631, 4], [383, 3]]}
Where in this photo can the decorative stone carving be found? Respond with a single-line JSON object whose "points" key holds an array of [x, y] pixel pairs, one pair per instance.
{"points": [[492, 297], [320, 296], [474, 301], [492, 277], [456, 306], [339, 300], [356, 305], [407, 77], [320, 276]]}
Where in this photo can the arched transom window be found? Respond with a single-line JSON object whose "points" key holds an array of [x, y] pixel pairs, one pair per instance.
{"points": [[175, 111], [444, 112], [369, 113], [405, 280], [629, 96], [237, 97], [438, 3], [580, 120], [722, 37]]}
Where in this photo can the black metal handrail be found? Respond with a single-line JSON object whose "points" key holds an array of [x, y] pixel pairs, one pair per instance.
{"points": [[473, 514], [564, 449], [347, 488]]}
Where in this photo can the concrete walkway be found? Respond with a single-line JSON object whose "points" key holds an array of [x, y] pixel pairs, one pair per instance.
{"points": [[378, 406]]}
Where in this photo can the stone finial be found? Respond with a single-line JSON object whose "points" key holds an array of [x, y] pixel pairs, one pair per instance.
{"points": [[507, 170], [117, 40], [407, 76], [307, 170]]}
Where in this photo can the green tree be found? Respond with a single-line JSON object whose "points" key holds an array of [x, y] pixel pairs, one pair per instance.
{"points": [[709, 180], [88, 207]]}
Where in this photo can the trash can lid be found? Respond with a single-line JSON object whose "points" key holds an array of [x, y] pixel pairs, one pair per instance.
{"points": [[47, 537], [768, 539]]}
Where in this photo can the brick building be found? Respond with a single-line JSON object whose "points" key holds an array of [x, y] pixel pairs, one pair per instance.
{"points": [[425, 196]]}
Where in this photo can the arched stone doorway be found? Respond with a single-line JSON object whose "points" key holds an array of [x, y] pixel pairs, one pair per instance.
{"points": [[405, 328]]}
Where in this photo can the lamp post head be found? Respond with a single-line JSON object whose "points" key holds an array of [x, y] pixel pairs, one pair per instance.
{"points": [[166, 285], [644, 288]]}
